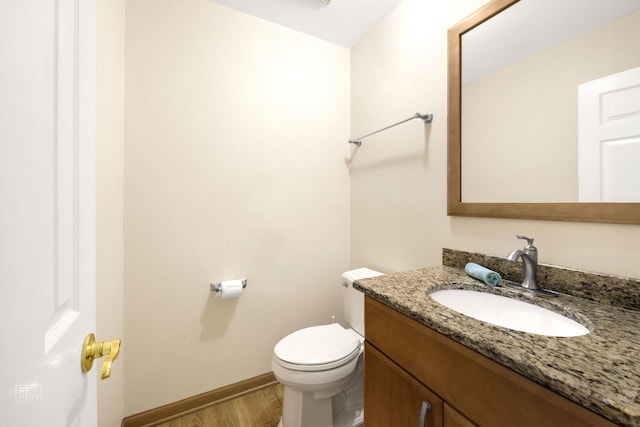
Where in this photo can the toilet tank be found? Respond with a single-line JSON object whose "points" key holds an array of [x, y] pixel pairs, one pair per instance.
{"points": [[354, 299]]}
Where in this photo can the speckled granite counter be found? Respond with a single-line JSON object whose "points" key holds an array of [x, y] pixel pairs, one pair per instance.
{"points": [[600, 370]]}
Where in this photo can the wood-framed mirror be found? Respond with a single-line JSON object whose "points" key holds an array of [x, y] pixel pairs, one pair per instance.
{"points": [[460, 203]]}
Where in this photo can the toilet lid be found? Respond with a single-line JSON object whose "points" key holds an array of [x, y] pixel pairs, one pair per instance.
{"points": [[317, 345]]}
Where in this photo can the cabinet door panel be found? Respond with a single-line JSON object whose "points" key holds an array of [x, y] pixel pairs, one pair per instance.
{"points": [[392, 397], [453, 418]]}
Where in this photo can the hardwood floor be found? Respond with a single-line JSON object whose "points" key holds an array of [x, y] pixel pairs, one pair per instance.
{"points": [[259, 408]]}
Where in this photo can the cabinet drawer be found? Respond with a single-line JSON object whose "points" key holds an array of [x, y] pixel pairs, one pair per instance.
{"points": [[484, 391], [392, 397]]}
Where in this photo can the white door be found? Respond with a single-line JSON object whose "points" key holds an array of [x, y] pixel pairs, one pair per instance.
{"points": [[609, 138], [47, 209]]}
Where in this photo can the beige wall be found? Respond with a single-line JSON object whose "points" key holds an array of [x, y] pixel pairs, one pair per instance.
{"points": [[109, 199], [398, 179], [235, 137]]}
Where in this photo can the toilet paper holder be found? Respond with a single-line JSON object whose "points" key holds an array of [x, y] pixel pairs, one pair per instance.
{"points": [[217, 286]]}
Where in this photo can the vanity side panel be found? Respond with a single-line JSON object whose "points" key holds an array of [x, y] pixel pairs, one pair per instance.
{"points": [[481, 389]]}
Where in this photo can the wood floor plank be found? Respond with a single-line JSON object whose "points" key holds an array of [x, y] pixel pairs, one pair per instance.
{"points": [[260, 408]]}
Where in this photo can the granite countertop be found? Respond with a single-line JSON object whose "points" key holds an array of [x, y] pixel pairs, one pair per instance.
{"points": [[600, 370]]}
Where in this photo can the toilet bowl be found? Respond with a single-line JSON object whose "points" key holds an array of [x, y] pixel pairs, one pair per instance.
{"points": [[321, 367]]}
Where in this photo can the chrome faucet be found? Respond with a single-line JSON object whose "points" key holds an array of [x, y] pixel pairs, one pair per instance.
{"points": [[529, 256]]}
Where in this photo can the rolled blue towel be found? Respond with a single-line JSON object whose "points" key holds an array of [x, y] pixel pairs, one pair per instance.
{"points": [[482, 273]]}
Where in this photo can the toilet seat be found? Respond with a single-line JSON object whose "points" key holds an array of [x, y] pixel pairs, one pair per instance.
{"points": [[317, 348]]}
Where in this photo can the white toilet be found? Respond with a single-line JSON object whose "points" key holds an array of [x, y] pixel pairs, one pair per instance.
{"points": [[321, 367]]}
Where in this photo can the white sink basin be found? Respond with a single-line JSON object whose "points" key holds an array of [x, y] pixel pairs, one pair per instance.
{"points": [[509, 313]]}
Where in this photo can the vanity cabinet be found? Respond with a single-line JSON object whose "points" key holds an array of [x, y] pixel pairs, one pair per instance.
{"points": [[408, 363]]}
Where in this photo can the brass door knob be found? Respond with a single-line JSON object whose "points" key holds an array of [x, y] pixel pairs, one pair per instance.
{"points": [[92, 350]]}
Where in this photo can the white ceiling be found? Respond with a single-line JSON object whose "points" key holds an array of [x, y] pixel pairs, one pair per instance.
{"points": [[343, 22]]}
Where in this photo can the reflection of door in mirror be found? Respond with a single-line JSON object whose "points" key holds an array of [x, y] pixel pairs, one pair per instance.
{"points": [[520, 115], [609, 138]]}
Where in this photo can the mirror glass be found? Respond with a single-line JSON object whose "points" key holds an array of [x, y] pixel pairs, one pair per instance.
{"points": [[550, 104]]}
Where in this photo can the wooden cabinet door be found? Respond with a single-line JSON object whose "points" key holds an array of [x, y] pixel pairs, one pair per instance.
{"points": [[392, 397], [453, 418]]}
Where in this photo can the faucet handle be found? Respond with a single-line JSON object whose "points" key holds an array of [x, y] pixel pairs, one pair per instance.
{"points": [[530, 250], [528, 239]]}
